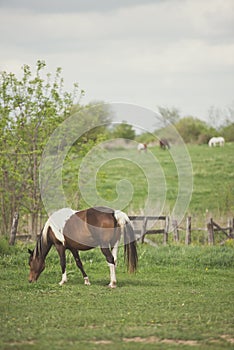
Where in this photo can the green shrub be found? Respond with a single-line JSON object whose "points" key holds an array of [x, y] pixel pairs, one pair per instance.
{"points": [[4, 246]]}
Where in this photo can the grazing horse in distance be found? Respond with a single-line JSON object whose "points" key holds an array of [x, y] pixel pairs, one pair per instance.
{"points": [[164, 144], [142, 147], [214, 141], [84, 230]]}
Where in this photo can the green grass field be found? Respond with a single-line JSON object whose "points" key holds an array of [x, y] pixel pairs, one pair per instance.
{"points": [[180, 297], [213, 177], [213, 173]]}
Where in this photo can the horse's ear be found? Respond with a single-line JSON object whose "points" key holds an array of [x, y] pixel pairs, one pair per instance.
{"points": [[30, 251]]}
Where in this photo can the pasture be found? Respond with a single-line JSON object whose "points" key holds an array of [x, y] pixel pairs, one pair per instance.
{"points": [[180, 297], [213, 174]]}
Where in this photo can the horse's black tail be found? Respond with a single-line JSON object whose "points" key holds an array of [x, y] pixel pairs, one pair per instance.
{"points": [[130, 250]]}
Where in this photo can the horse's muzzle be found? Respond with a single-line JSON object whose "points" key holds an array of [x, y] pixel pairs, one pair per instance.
{"points": [[31, 280]]}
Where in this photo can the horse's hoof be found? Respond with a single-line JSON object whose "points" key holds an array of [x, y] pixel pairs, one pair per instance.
{"points": [[112, 285], [62, 282], [86, 281]]}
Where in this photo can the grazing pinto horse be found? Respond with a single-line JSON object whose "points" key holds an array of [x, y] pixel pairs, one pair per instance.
{"points": [[142, 147], [216, 141], [84, 230], [164, 144]]}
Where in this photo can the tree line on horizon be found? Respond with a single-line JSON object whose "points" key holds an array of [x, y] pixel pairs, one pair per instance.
{"points": [[194, 130]]}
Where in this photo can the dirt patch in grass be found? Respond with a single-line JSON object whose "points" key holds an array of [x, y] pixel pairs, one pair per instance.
{"points": [[151, 340], [103, 342], [228, 338], [23, 342]]}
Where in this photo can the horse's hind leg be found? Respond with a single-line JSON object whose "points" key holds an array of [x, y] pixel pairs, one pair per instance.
{"points": [[111, 263], [115, 251], [80, 266]]}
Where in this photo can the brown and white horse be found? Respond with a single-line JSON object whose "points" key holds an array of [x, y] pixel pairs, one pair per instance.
{"points": [[84, 230], [142, 147]]}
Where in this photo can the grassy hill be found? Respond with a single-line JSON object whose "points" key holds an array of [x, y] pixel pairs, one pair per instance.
{"points": [[213, 177], [213, 171]]}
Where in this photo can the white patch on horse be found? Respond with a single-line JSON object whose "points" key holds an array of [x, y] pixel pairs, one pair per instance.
{"points": [[57, 222], [112, 276], [121, 217], [115, 251], [86, 281], [64, 279]]}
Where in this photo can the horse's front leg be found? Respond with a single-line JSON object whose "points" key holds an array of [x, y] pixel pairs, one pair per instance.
{"points": [[80, 266], [61, 251]]}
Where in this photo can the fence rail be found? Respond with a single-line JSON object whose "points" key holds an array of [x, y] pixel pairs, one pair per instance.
{"points": [[141, 229], [140, 224], [145, 225]]}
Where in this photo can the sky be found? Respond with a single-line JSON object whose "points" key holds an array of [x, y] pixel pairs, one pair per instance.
{"points": [[170, 53]]}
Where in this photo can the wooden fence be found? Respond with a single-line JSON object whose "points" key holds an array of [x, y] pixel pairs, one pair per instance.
{"points": [[141, 223], [144, 225], [213, 227]]}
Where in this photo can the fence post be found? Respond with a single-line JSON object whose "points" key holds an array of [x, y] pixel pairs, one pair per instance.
{"points": [[14, 228], [175, 230], [188, 230], [231, 227], [210, 229], [143, 229], [166, 230]]}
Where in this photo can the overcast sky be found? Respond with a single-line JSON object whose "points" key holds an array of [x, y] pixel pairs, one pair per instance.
{"points": [[172, 53]]}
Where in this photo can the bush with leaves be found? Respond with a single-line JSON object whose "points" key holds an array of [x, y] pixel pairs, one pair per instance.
{"points": [[30, 109], [194, 130]]}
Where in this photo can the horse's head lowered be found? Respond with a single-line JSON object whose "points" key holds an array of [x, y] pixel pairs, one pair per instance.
{"points": [[37, 265]]}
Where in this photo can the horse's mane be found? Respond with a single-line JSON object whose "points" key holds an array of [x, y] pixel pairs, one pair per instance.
{"points": [[38, 249], [44, 232]]}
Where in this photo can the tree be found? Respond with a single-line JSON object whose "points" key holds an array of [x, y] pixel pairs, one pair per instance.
{"points": [[95, 118], [228, 132], [219, 117], [194, 130], [124, 131], [30, 109], [91, 129], [169, 115]]}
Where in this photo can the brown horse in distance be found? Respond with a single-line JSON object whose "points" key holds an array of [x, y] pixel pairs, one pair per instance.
{"points": [[164, 144]]}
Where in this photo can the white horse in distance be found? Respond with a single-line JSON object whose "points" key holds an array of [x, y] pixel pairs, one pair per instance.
{"points": [[214, 141]]}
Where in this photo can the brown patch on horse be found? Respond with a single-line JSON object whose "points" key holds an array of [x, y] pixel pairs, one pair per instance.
{"points": [[90, 228]]}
